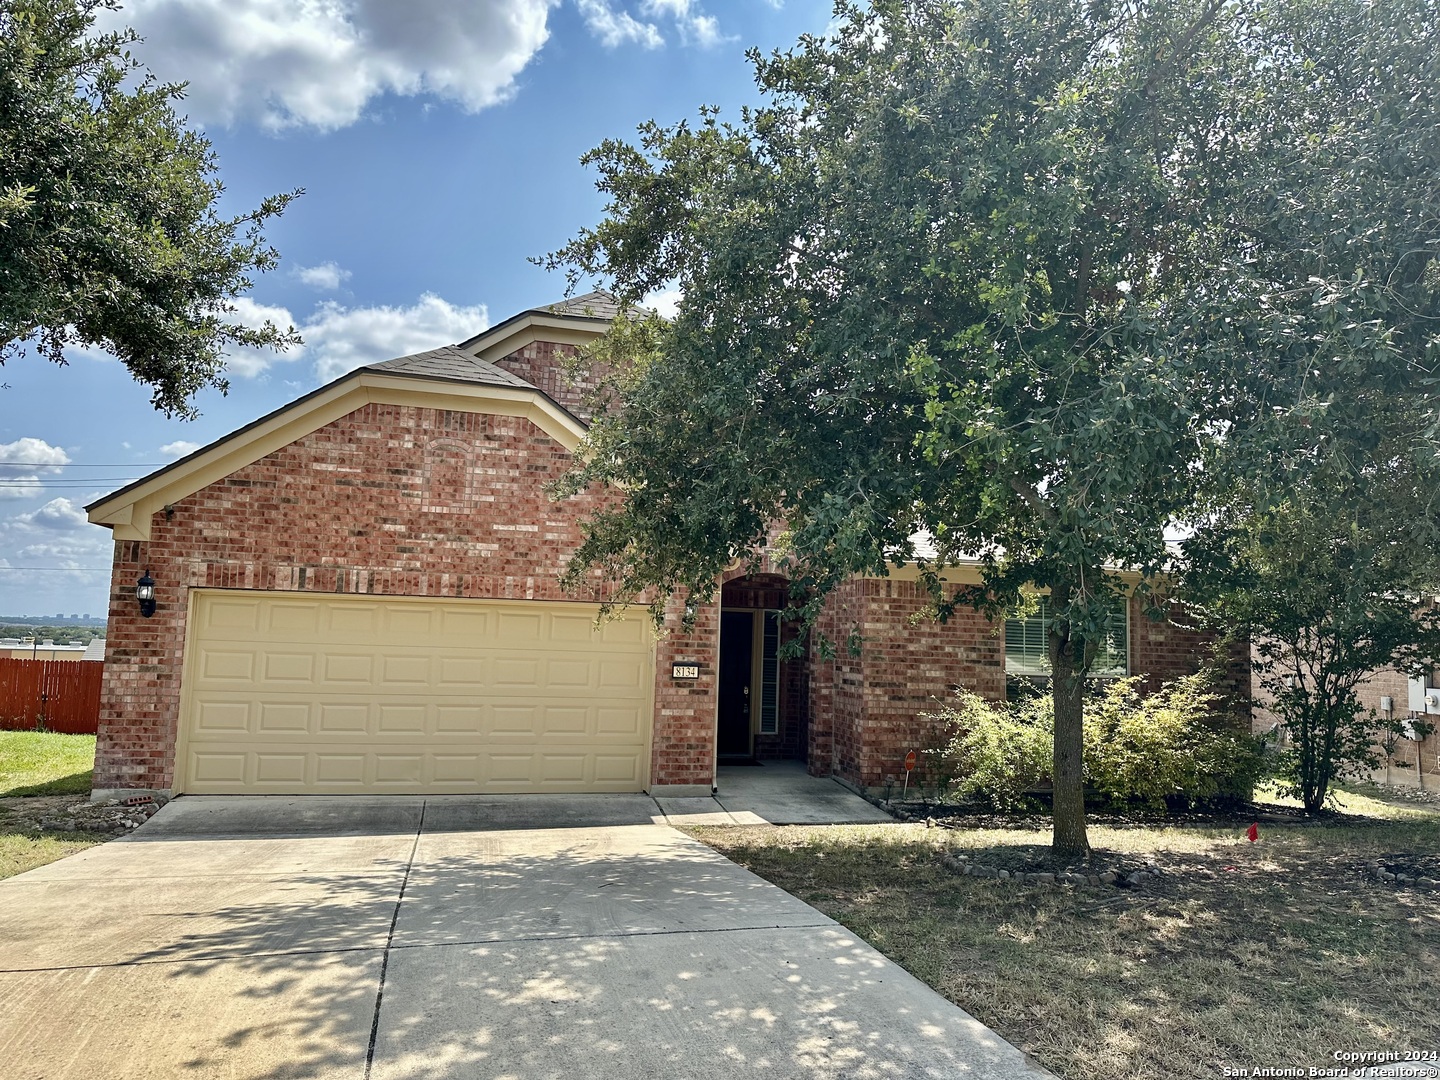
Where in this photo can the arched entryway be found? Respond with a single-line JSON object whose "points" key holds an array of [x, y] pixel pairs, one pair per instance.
{"points": [[763, 700]]}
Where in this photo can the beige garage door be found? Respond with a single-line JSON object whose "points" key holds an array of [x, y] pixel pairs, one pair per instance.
{"points": [[288, 694]]}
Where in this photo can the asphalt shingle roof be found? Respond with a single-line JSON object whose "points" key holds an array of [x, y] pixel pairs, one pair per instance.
{"points": [[593, 305], [449, 362]]}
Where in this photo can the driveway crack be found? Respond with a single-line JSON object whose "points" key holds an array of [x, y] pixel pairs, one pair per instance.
{"points": [[389, 941]]}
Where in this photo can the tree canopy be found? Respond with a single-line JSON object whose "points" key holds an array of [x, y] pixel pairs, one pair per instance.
{"points": [[109, 232], [1024, 276]]}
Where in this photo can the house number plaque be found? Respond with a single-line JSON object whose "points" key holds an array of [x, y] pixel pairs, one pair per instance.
{"points": [[684, 671]]}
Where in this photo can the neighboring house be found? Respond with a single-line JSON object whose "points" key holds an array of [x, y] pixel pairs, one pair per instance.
{"points": [[359, 593], [1413, 704], [17, 649]]}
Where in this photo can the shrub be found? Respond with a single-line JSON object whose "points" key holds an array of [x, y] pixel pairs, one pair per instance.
{"points": [[1171, 746], [995, 753]]}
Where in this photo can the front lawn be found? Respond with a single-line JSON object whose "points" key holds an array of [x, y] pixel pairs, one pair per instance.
{"points": [[43, 775], [1276, 954], [45, 763]]}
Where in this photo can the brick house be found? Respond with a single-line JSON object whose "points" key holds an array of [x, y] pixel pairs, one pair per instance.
{"points": [[359, 593]]}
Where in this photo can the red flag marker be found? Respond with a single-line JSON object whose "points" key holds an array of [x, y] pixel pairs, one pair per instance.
{"points": [[1253, 833]]}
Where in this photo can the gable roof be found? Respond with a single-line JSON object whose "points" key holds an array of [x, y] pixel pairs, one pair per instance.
{"points": [[593, 305], [576, 321], [450, 362], [462, 377]]}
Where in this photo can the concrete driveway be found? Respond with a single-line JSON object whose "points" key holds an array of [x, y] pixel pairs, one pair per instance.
{"points": [[527, 937]]}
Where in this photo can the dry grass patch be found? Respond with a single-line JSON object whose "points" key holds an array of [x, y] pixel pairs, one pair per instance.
{"points": [[1274, 954]]}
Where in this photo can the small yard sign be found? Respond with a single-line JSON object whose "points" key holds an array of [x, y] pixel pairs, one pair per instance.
{"points": [[684, 671]]}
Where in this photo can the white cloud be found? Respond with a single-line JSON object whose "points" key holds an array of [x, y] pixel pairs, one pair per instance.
{"points": [[664, 301], [57, 514], [346, 338], [695, 27], [614, 28], [339, 339], [326, 277], [319, 63], [24, 463], [28, 456], [179, 448], [248, 363]]}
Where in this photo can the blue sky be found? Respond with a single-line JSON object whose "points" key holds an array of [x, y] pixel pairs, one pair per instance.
{"points": [[438, 145]]}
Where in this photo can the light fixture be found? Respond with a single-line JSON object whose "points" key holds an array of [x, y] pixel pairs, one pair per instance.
{"points": [[145, 594]]}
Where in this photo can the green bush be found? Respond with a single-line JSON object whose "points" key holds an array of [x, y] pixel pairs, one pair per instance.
{"points": [[1175, 746], [994, 754]]}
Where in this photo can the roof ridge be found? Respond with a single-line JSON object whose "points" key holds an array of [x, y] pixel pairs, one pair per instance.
{"points": [[450, 362]]}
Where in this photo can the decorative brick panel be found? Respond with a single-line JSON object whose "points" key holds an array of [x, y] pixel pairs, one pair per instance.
{"points": [[542, 364]]}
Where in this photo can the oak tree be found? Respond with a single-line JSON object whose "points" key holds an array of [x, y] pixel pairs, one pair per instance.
{"points": [[110, 235]]}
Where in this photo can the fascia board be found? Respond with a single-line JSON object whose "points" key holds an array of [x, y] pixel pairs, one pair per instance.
{"points": [[514, 334], [130, 510]]}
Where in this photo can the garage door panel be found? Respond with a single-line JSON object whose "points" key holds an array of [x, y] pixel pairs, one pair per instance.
{"points": [[619, 769], [224, 717], [231, 614], [292, 620], [461, 673], [618, 721], [354, 621], [519, 628], [572, 673], [339, 769], [409, 622], [405, 671], [220, 768], [348, 668], [288, 667], [466, 719], [343, 718], [273, 768], [617, 674], [221, 665], [283, 717], [406, 718], [344, 694], [560, 720]]}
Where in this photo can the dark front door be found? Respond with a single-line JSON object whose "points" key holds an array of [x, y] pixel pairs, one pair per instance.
{"points": [[737, 642]]}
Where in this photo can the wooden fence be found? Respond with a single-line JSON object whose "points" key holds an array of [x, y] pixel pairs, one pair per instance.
{"points": [[58, 695]]}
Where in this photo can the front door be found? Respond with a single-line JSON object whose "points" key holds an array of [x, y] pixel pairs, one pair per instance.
{"points": [[737, 644]]}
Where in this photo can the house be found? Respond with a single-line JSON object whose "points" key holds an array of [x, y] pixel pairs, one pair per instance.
{"points": [[360, 593], [35, 649]]}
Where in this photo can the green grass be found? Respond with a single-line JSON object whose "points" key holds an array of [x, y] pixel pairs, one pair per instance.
{"points": [[21, 851], [1273, 954], [45, 763]]}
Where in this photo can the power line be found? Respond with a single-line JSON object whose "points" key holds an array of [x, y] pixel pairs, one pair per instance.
{"points": [[85, 464]]}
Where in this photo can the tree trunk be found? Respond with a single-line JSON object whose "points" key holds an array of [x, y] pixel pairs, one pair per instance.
{"points": [[1067, 682]]}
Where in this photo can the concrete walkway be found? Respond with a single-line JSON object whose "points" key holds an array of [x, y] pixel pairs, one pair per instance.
{"points": [[774, 793], [519, 937]]}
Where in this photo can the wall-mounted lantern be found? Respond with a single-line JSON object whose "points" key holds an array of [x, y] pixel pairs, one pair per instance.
{"points": [[145, 594]]}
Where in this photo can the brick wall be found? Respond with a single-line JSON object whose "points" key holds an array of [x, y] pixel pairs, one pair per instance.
{"points": [[388, 500], [685, 708], [542, 364], [837, 704], [868, 711], [1165, 648]]}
